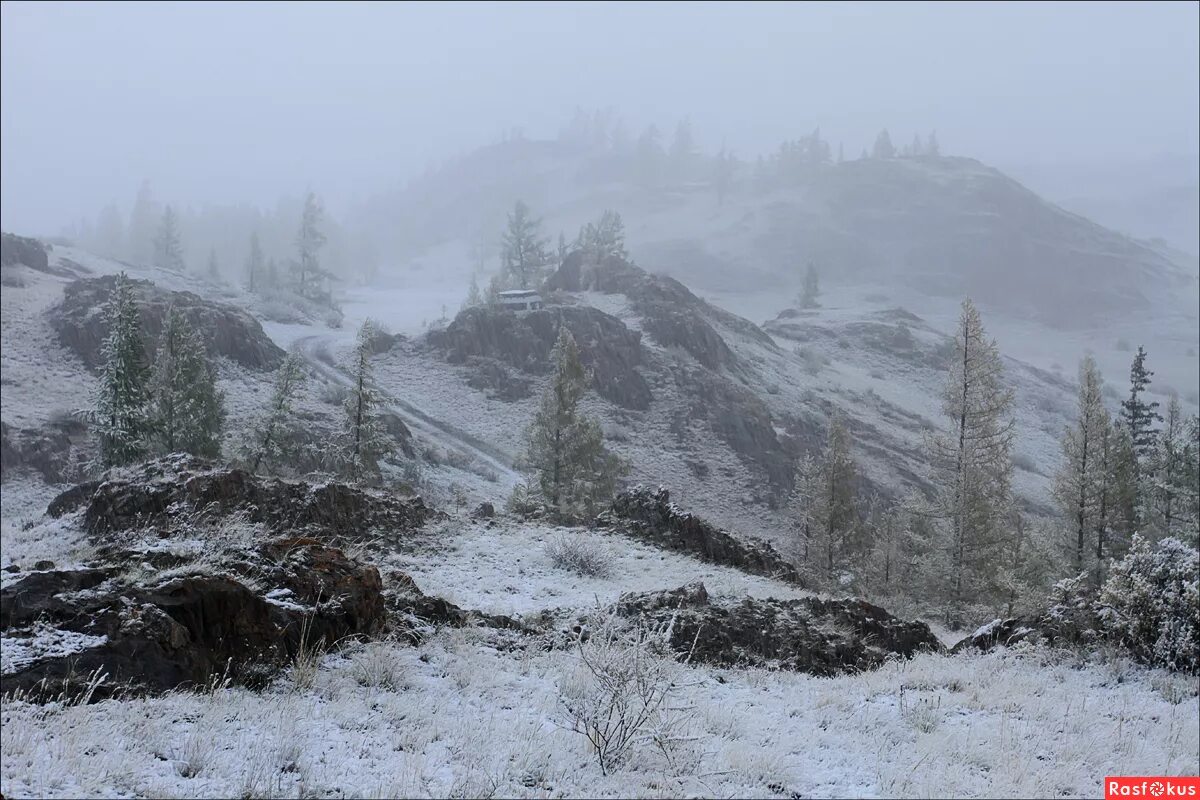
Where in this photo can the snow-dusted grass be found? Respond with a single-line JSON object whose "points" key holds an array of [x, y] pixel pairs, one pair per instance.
{"points": [[506, 569], [468, 720]]}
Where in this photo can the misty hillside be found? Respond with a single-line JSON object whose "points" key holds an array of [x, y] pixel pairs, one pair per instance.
{"points": [[939, 225]]}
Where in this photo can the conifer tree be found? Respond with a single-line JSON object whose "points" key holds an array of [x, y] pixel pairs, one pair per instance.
{"points": [[883, 146], [120, 402], [144, 221], [365, 439], [1167, 470], [1138, 415], [168, 250], [826, 499], [931, 145], [269, 441], [973, 460], [1080, 484], [474, 296], [309, 240], [523, 250], [575, 472], [214, 268], [604, 238], [186, 412], [254, 265], [811, 289]]}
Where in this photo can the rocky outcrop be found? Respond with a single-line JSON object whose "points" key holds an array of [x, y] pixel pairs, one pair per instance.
{"points": [[523, 341], [1000, 633], [671, 314], [21, 250], [177, 487], [227, 330], [55, 451], [183, 630], [651, 517], [818, 637], [201, 571]]}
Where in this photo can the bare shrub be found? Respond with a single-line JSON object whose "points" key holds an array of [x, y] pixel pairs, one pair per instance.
{"points": [[581, 554], [374, 666], [624, 692]]}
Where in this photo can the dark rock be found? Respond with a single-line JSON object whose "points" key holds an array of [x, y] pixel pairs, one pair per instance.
{"points": [[607, 348], [44, 564], [21, 250], [650, 516], [227, 330], [672, 315], [177, 486], [740, 419], [11, 568], [188, 629], [494, 377], [483, 511], [819, 637], [415, 609], [54, 451], [1002, 633], [72, 498]]}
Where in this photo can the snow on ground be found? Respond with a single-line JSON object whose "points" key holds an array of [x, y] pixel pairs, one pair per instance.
{"points": [[504, 569], [458, 717], [41, 379]]}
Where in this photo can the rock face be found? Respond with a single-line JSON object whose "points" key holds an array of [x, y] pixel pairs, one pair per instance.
{"points": [[54, 451], [229, 331], [819, 637], [20, 250], [201, 571], [653, 518], [489, 337], [671, 314]]}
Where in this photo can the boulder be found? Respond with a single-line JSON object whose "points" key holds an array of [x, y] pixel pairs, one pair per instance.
{"points": [[1003, 633], [227, 330], [21, 250], [523, 341], [651, 517], [484, 510], [818, 637]]}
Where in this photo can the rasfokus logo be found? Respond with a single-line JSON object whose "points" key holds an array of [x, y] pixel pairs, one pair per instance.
{"points": [[1153, 787]]}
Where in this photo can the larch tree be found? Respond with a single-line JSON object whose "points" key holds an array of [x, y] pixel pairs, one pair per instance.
{"points": [[1080, 484], [973, 460], [604, 238], [565, 451], [270, 440], [811, 290], [309, 241], [186, 410], [365, 438], [119, 413], [168, 249], [825, 495], [254, 265], [931, 145], [523, 249]]}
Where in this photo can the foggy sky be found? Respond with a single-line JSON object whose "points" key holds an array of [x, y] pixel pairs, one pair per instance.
{"points": [[241, 102]]}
